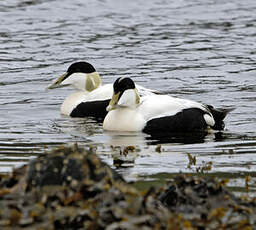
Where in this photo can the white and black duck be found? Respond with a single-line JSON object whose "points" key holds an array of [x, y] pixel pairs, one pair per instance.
{"points": [[91, 97], [158, 113]]}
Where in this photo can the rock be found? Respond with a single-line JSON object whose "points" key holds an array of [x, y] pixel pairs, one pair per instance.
{"points": [[68, 167]]}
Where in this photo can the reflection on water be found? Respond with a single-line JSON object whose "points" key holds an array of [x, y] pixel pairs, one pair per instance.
{"points": [[184, 138], [125, 138], [199, 50]]}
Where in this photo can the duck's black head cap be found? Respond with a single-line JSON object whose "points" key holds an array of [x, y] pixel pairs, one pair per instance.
{"points": [[121, 84], [80, 67]]}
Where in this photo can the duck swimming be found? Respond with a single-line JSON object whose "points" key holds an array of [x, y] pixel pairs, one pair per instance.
{"points": [[158, 113], [91, 97]]}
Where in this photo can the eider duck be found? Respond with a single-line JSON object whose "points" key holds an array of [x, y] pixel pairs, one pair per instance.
{"points": [[91, 97], [158, 113]]}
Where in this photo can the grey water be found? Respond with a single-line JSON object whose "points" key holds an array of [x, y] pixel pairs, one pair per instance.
{"points": [[204, 50]]}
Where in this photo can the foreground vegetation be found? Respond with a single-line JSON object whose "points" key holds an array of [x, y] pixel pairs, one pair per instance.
{"points": [[71, 188]]}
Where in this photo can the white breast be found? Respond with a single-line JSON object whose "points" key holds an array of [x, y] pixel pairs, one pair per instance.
{"points": [[72, 101], [124, 119]]}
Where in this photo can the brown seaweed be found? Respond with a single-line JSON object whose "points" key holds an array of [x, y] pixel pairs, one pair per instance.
{"points": [[71, 188]]}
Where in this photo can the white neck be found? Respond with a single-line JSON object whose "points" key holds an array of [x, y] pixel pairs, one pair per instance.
{"points": [[129, 98]]}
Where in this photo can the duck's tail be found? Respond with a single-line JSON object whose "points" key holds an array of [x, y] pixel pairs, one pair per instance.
{"points": [[219, 115]]}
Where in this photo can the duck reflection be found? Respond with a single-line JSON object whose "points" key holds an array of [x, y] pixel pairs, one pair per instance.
{"points": [[181, 138], [132, 138]]}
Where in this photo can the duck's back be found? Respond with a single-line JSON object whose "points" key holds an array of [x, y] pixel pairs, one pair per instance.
{"points": [[155, 106], [170, 114]]}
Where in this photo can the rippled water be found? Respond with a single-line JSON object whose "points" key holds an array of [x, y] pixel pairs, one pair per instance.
{"points": [[203, 50]]}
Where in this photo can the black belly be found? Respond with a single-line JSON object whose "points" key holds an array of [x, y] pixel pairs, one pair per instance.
{"points": [[95, 109]]}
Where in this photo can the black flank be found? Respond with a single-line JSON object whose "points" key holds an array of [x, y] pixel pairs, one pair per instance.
{"points": [[95, 109], [188, 120]]}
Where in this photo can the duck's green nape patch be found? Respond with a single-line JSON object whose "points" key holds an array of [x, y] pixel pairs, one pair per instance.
{"points": [[93, 81], [77, 190]]}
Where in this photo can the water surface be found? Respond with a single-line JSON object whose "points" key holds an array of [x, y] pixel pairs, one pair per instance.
{"points": [[200, 50]]}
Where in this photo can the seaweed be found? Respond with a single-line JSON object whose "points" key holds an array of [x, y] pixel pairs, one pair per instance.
{"points": [[71, 188]]}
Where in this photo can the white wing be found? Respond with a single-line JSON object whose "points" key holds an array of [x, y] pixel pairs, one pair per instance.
{"points": [[145, 91], [155, 106]]}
